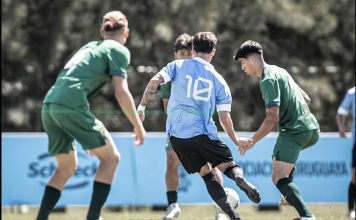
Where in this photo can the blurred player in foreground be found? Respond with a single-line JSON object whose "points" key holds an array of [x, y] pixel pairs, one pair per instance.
{"points": [[183, 49], [66, 116], [286, 105], [196, 89], [347, 105]]}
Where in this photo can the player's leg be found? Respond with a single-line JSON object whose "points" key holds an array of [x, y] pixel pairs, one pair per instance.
{"points": [[351, 196], [219, 176], [235, 172], [218, 154], [62, 146], [172, 174], [190, 153], [218, 215], [66, 166], [109, 158], [172, 182], [285, 155], [93, 136], [216, 191]]}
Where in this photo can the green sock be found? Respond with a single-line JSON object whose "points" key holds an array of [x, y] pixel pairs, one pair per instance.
{"points": [[293, 196], [49, 200], [172, 197], [291, 175], [100, 193]]}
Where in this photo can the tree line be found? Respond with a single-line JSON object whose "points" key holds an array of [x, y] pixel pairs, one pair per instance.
{"points": [[313, 40]]}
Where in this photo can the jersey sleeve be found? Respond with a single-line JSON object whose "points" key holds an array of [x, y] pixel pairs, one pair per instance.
{"points": [[166, 90], [223, 96], [169, 71], [119, 61], [345, 105], [270, 92]]}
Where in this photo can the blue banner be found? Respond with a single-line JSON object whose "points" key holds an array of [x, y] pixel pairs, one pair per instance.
{"points": [[323, 172]]}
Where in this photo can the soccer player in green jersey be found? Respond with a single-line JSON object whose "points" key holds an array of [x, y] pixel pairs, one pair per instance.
{"points": [[183, 49], [286, 105], [66, 116]]}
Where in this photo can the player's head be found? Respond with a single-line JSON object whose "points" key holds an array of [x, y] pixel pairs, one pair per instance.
{"points": [[115, 26], [250, 54], [205, 42], [183, 47]]}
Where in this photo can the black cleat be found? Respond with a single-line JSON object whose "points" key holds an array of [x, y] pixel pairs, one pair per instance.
{"points": [[250, 190]]}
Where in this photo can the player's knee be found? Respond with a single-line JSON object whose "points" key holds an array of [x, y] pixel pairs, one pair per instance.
{"points": [[275, 179], [67, 171], [113, 160], [172, 162]]}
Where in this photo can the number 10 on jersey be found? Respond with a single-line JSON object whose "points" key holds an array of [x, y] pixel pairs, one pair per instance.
{"points": [[198, 92]]}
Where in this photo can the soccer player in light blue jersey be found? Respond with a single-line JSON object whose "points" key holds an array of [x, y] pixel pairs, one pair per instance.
{"points": [[197, 89], [347, 105], [183, 49]]}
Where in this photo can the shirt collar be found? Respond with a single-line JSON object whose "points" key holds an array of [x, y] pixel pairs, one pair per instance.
{"points": [[203, 62]]}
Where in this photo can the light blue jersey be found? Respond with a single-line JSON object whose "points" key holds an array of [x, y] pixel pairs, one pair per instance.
{"points": [[347, 105], [196, 89]]}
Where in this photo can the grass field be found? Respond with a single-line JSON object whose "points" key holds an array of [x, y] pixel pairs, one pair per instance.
{"points": [[189, 212]]}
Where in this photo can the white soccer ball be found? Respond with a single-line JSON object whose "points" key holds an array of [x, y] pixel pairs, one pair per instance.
{"points": [[23, 209], [233, 198]]}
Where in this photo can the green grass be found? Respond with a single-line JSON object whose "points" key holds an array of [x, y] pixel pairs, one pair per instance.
{"points": [[189, 212]]}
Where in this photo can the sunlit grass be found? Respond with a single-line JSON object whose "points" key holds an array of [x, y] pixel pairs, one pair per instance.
{"points": [[189, 212]]}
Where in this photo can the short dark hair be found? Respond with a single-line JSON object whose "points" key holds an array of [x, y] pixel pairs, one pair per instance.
{"points": [[247, 48], [184, 41], [204, 42]]}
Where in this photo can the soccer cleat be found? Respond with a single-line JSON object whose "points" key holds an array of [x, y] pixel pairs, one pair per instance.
{"points": [[100, 218], [250, 190], [173, 210], [351, 214], [220, 216], [283, 201], [306, 218]]}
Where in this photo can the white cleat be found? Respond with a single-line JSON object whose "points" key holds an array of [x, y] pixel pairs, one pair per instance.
{"points": [[173, 211], [306, 218], [283, 201], [220, 216], [351, 214], [100, 218]]}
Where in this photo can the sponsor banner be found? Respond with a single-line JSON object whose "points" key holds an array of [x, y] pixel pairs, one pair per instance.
{"points": [[323, 172]]}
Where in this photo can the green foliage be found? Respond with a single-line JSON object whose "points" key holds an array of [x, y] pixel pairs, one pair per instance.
{"points": [[313, 40]]}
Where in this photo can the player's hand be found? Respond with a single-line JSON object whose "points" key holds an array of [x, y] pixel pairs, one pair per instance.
{"points": [[342, 132], [141, 112], [141, 115], [244, 142], [244, 145], [139, 135]]}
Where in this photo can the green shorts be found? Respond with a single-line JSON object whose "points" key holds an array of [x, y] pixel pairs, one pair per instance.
{"points": [[64, 125], [168, 145], [288, 146]]}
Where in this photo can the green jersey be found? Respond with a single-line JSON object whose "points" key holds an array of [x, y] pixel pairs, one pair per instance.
{"points": [[279, 89], [166, 90], [87, 72]]}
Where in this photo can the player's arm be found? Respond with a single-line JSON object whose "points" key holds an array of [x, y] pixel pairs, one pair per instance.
{"points": [[340, 120], [127, 104], [271, 120], [342, 112], [150, 89], [165, 103], [228, 126], [305, 96]]}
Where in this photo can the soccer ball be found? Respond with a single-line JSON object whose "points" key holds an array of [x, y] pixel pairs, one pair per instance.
{"points": [[233, 198]]}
